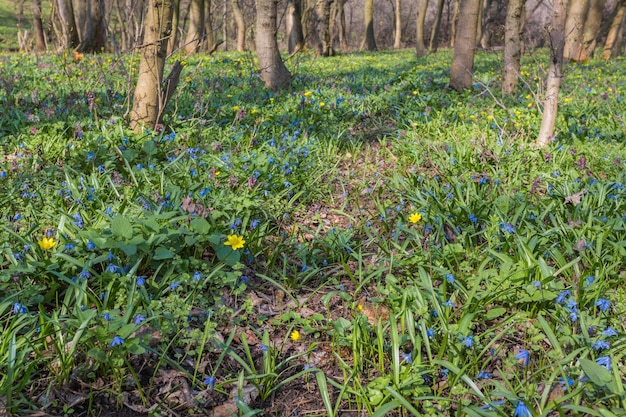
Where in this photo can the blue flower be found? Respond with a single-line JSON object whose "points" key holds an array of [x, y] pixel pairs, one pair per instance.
{"points": [[604, 361], [521, 410], [609, 332], [19, 308], [141, 281], [603, 304], [254, 224], [523, 357], [507, 228], [174, 285], [408, 358], [84, 274], [566, 382], [117, 341], [197, 276], [264, 348], [210, 382], [560, 299], [484, 375], [450, 304], [430, 333], [450, 278], [90, 245], [601, 345], [106, 317], [472, 218], [589, 280], [468, 342], [78, 220], [139, 319]]}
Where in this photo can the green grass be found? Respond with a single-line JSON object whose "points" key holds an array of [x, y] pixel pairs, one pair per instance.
{"points": [[431, 261], [9, 24]]}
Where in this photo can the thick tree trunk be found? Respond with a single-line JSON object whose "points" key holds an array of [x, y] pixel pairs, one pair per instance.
{"points": [[397, 39], [172, 42], [512, 45], [486, 25], [553, 83], [323, 28], [295, 37], [369, 40], [209, 37], [40, 41], [465, 46], [341, 22], [420, 47], [196, 27], [434, 33], [148, 101], [574, 26], [273, 71], [70, 33], [99, 27], [611, 37], [592, 27], [240, 24]]}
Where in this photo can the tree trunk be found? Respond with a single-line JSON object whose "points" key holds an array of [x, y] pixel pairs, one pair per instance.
{"points": [[341, 21], [273, 71], [196, 27], [147, 101], [369, 41], [512, 45], [465, 46], [592, 27], [434, 33], [40, 41], [295, 37], [420, 48], [209, 45], [323, 28], [240, 24], [172, 42], [397, 40], [487, 25], [553, 83], [70, 33], [574, 25], [455, 19], [611, 37]]}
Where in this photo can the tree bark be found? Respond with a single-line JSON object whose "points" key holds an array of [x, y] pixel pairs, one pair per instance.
{"points": [[574, 26], [611, 37], [592, 27], [172, 42], [420, 47], [455, 18], [196, 27], [295, 37], [553, 83], [434, 33], [40, 41], [273, 71], [369, 40], [147, 100], [341, 22], [240, 24], [324, 47], [70, 33], [209, 37], [397, 40], [512, 45], [465, 46]]}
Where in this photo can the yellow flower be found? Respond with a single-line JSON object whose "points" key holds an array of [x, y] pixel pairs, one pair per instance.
{"points": [[359, 307], [415, 217], [235, 242], [295, 335], [236, 108], [307, 93], [46, 243]]}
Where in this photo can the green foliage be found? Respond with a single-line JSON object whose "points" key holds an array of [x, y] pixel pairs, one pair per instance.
{"points": [[431, 261]]}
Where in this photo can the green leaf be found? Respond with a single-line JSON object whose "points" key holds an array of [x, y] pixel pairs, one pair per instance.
{"points": [[494, 313], [161, 253], [97, 354], [200, 225], [596, 373], [121, 227]]}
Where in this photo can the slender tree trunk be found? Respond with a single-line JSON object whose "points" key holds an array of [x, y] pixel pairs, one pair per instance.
{"points": [[397, 40], [273, 71], [574, 26], [295, 38], [487, 25], [209, 36], [148, 101], [553, 83], [512, 45], [434, 33], [196, 27], [70, 33], [465, 46], [611, 37], [369, 40], [123, 26], [172, 42], [455, 19], [323, 28], [240, 24], [341, 22], [420, 48], [592, 27], [40, 42]]}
